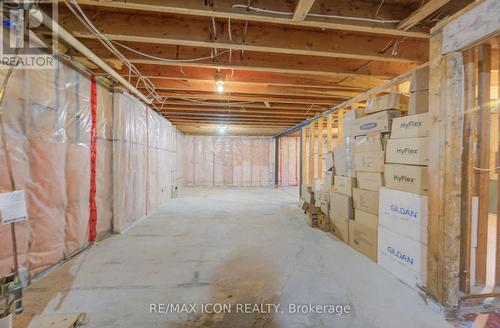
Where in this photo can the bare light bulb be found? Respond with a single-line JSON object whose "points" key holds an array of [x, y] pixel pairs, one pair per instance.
{"points": [[222, 129], [220, 88]]}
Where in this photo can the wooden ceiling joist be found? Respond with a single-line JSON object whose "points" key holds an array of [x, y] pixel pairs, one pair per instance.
{"points": [[192, 32], [333, 68], [229, 9], [287, 113], [302, 9], [276, 106], [421, 13], [248, 97], [209, 86]]}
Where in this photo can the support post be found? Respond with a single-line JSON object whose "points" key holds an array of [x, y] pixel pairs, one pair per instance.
{"points": [[445, 168]]}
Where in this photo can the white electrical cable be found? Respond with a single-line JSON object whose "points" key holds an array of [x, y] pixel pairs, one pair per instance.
{"points": [[285, 13], [78, 12], [168, 59]]}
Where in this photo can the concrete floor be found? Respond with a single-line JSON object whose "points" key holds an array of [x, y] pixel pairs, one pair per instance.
{"points": [[229, 246]]}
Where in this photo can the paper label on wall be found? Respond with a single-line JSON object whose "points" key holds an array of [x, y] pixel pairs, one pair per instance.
{"points": [[13, 206]]}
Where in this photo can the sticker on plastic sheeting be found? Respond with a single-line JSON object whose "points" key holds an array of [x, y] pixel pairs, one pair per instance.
{"points": [[13, 206]]}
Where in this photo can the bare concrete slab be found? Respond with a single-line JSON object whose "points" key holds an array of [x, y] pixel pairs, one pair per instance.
{"points": [[231, 247]]}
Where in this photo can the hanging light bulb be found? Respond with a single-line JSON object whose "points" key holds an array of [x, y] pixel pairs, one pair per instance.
{"points": [[219, 82], [222, 129], [219, 86]]}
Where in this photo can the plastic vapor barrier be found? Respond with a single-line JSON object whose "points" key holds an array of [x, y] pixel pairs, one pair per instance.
{"points": [[145, 160], [289, 161], [228, 161], [45, 148]]}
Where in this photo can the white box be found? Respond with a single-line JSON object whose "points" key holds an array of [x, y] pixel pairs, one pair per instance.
{"points": [[406, 259], [404, 213]]}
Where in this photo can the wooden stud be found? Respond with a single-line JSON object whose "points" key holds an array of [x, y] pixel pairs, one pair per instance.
{"points": [[340, 127], [312, 143], [329, 123], [445, 167], [468, 176], [484, 107], [303, 158], [320, 148]]}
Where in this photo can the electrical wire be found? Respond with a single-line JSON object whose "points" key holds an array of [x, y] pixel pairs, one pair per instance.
{"points": [[286, 13], [78, 12], [168, 59]]}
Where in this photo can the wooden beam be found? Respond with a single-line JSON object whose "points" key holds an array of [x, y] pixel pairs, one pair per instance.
{"points": [[191, 32], [186, 73], [276, 106], [320, 148], [252, 61], [248, 116], [302, 9], [468, 174], [445, 172], [230, 87], [247, 97], [484, 108], [303, 159], [224, 9], [478, 23], [419, 15], [274, 112], [329, 123], [312, 143]]}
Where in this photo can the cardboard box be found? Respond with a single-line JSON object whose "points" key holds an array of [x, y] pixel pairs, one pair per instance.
{"points": [[363, 232], [317, 185], [406, 259], [308, 197], [413, 151], [404, 213], [391, 101], [327, 182], [349, 118], [340, 205], [312, 219], [339, 226], [344, 185], [419, 102], [370, 180], [413, 126], [407, 178], [420, 79], [323, 200], [323, 222], [372, 142], [365, 200], [343, 161], [329, 161], [314, 209], [369, 162], [378, 122]]}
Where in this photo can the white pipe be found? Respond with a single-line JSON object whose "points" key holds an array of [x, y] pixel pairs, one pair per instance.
{"points": [[42, 18]]}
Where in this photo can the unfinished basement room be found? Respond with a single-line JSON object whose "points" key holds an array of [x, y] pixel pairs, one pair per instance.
{"points": [[250, 164]]}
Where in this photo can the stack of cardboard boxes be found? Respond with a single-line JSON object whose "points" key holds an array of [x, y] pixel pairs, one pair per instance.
{"points": [[341, 210], [371, 133], [403, 205], [323, 200], [403, 208]]}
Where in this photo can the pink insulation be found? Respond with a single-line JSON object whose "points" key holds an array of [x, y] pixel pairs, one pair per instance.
{"points": [[46, 117], [289, 159], [228, 161]]}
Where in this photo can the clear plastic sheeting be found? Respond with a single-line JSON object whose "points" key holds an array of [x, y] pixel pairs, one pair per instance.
{"points": [[46, 120], [228, 161], [289, 161], [45, 150], [144, 158]]}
